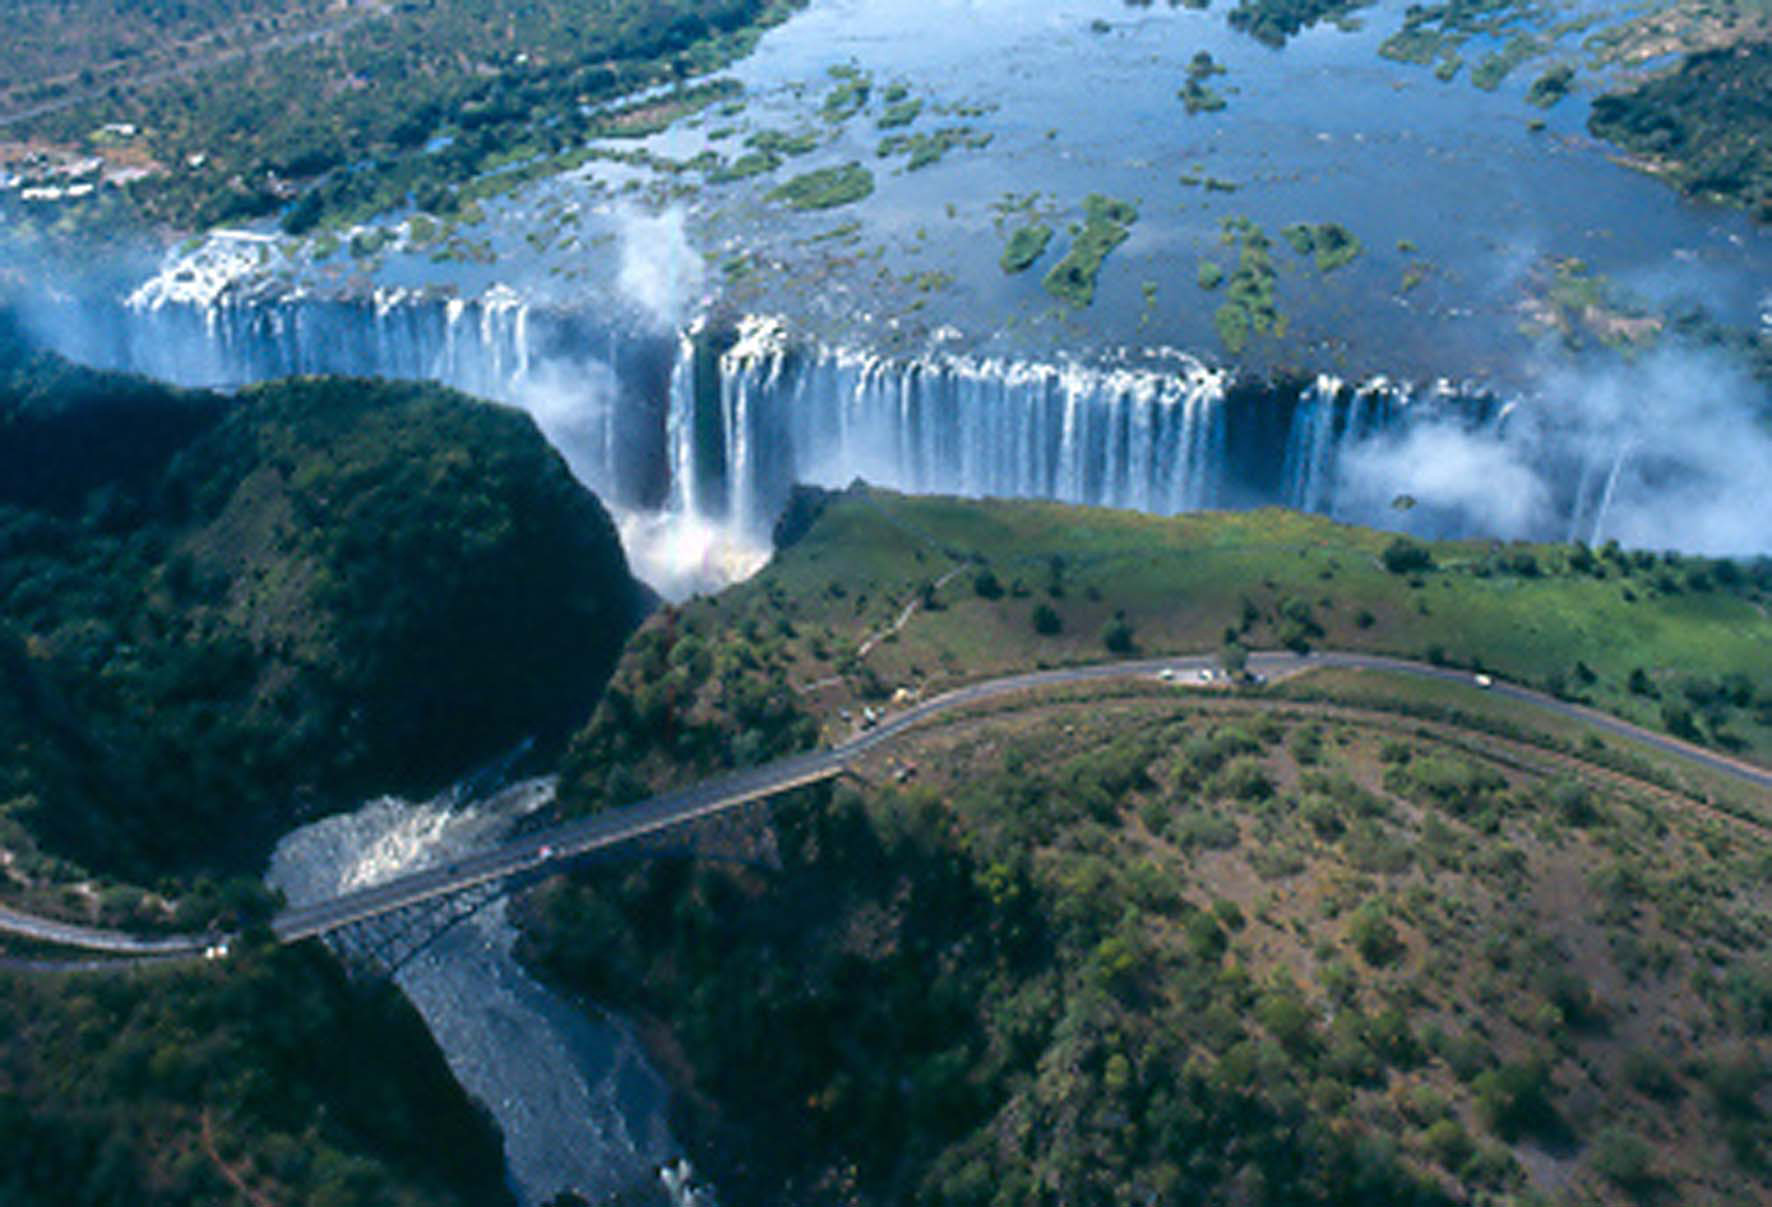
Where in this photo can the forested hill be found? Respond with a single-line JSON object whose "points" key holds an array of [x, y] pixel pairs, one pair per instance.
{"points": [[217, 614]]}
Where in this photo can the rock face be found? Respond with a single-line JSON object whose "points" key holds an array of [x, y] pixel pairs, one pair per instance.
{"points": [[219, 611]]}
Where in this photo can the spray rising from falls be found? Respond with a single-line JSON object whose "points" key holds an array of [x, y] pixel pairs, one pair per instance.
{"points": [[696, 435]]}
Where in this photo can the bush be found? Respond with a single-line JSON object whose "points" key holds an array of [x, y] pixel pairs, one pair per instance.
{"points": [[1404, 556], [1373, 936], [1449, 1144], [1515, 1100], [1622, 1158], [1047, 622], [1116, 635], [1243, 779]]}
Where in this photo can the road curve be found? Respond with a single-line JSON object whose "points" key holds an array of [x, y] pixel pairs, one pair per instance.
{"points": [[551, 849], [92, 938]]}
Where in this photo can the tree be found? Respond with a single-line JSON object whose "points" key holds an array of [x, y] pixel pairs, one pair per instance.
{"points": [[1234, 659], [1404, 556], [1046, 621], [1116, 635]]}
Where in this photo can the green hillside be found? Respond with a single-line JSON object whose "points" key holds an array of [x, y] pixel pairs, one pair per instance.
{"points": [[268, 1079], [1103, 949], [1352, 939], [217, 614], [990, 587]]}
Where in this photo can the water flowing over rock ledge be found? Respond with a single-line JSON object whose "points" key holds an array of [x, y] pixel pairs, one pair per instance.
{"points": [[710, 427]]}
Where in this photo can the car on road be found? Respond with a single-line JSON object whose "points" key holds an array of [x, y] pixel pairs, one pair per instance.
{"points": [[1484, 681], [544, 853]]}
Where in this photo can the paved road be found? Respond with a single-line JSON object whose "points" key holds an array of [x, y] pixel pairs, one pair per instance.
{"points": [[68, 934], [561, 844], [555, 847]]}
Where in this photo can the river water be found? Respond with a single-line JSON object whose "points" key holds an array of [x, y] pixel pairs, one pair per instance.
{"points": [[578, 1105]]}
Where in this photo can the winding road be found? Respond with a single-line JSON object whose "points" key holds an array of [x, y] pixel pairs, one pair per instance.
{"points": [[554, 848]]}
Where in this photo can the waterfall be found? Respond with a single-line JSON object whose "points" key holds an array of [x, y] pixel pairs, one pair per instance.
{"points": [[706, 430], [1146, 438]]}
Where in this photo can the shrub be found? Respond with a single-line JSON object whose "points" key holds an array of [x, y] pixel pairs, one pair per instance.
{"points": [[1621, 1157], [1116, 635], [1046, 621], [1515, 1100], [1404, 556], [1373, 936]]}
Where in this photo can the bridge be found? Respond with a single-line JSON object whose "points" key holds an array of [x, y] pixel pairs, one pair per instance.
{"points": [[422, 903]]}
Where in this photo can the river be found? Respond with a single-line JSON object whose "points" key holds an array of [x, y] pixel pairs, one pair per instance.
{"points": [[578, 1105]]}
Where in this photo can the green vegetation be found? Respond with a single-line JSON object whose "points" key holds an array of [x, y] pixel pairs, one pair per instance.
{"points": [[459, 90], [1703, 127], [826, 188], [1563, 618], [1567, 297], [1097, 936], [269, 1078], [1440, 31], [900, 113], [1105, 227], [1272, 22], [1498, 65], [1209, 275], [1387, 933], [1026, 245], [751, 163], [849, 96], [1248, 308], [216, 611], [775, 142], [1551, 87], [1196, 95], [923, 149], [1331, 243]]}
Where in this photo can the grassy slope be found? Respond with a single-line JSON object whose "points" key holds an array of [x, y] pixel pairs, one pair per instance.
{"points": [[1178, 584], [1160, 949]]}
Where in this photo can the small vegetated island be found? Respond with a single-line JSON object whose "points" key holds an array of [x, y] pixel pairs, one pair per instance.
{"points": [[1106, 224], [826, 188], [1331, 244], [1274, 22], [1027, 244], [1196, 94], [1249, 308], [1352, 939]]}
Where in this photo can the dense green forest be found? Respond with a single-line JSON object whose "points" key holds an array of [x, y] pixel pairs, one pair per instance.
{"points": [[1706, 126], [217, 614], [268, 1076], [404, 106]]}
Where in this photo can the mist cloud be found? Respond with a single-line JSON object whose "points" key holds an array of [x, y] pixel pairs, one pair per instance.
{"points": [[1671, 452], [660, 269]]}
